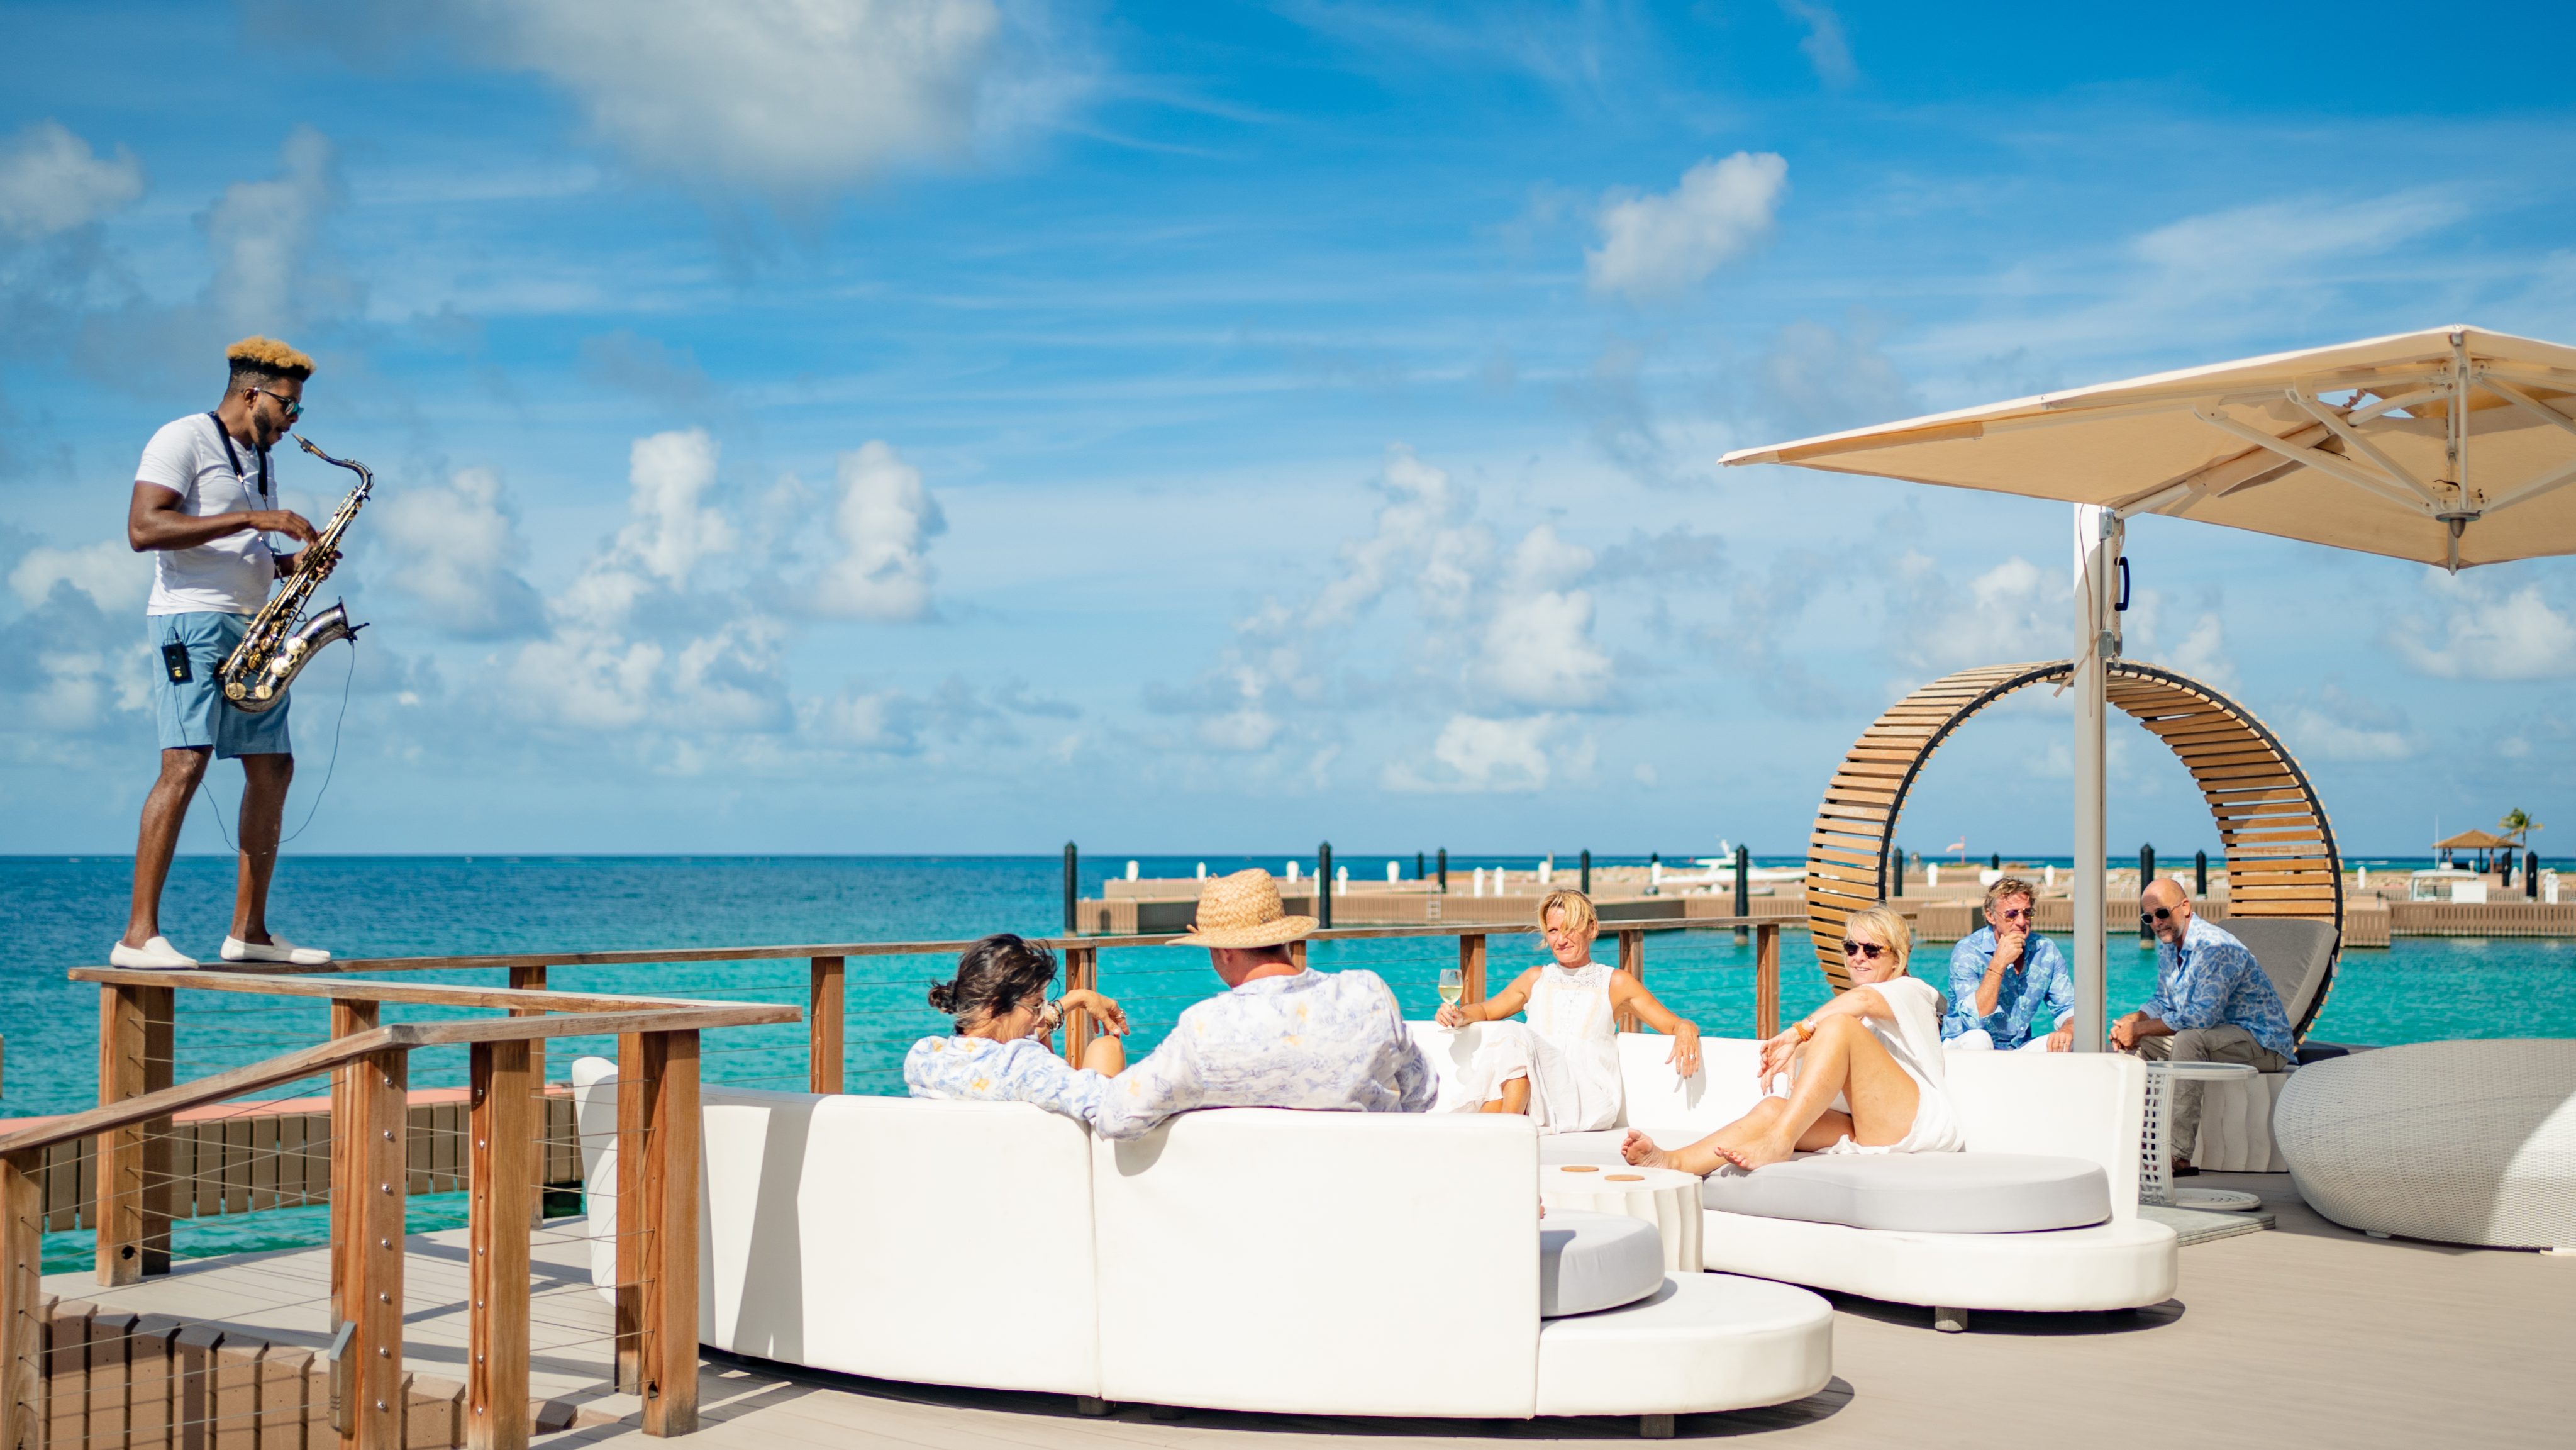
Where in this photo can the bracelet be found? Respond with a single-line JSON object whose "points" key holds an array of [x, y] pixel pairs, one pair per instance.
{"points": [[1051, 1015], [1805, 1027]]}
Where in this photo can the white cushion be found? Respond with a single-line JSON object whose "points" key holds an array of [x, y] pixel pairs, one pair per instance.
{"points": [[1590, 1261], [1701, 1343], [1956, 1193], [2124, 1264]]}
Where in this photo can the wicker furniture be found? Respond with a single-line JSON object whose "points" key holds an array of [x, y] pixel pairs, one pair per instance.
{"points": [[2460, 1142]]}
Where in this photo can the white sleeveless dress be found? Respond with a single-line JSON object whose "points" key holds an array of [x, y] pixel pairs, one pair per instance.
{"points": [[1913, 1040], [1569, 1051]]}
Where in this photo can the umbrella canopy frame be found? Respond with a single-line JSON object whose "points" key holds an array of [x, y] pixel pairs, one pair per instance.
{"points": [[2277, 841]]}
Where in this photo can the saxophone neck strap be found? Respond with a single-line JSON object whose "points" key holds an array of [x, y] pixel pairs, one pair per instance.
{"points": [[234, 458]]}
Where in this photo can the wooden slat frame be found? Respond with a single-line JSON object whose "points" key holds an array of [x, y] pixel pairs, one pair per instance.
{"points": [[2268, 814]]}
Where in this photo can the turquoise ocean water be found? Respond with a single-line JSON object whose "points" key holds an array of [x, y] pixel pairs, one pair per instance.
{"points": [[60, 913]]}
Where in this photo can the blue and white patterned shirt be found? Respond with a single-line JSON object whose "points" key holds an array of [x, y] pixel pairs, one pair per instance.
{"points": [[2215, 980], [1328, 1040], [2039, 979], [980, 1070]]}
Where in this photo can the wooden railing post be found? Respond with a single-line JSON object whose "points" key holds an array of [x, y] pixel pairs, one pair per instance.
{"points": [[348, 1016], [825, 1019], [533, 979], [1471, 966], [661, 1220], [22, 1286], [1081, 971], [635, 1089], [116, 1205], [160, 1152], [1766, 979], [1632, 960], [370, 1379], [502, 1132]]}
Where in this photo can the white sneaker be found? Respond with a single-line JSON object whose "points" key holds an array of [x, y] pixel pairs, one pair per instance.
{"points": [[279, 949], [155, 953]]}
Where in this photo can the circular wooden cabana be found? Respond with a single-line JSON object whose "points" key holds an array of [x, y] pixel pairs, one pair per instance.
{"points": [[2279, 847]]}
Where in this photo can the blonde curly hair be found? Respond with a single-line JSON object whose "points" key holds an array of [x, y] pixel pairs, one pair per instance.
{"points": [[264, 359]]}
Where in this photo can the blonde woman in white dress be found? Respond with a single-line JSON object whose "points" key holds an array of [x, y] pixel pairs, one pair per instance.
{"points": [[1864, 1071], [1562, 1068]]}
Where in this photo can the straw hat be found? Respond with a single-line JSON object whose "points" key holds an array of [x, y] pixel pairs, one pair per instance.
{"points": [[1243, 910]]}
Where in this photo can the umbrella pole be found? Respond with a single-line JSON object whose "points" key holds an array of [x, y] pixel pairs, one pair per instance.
{"points": [[2097, 550]]}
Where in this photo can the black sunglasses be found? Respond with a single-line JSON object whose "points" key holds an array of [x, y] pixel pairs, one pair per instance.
{"points": [[1869, 949], [2021, 915], [2150, 918], [294, 406]]}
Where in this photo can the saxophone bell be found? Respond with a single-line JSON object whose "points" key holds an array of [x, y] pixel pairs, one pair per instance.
{"points": [[261, 693]]}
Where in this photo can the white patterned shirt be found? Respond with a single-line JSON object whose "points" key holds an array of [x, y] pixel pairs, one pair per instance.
{"points": [[960, 1068], [1322, 1040]]}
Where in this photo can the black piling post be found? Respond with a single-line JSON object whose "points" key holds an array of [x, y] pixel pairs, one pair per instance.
{"points": [[1444, 870], [1324, 884], [1995, 862], [2146, 873], [1417, 865], [1895, 872], [2531, 875], [2200, 874], [1587, 871], [1743, 889], [1072, 887]]}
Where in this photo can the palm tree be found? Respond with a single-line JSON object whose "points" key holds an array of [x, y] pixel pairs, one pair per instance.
{"points": [[2517, 823]]}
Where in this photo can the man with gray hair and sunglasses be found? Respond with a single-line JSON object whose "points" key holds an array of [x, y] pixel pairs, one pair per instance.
{"points": [[2010, 987], [2212, 1004]]}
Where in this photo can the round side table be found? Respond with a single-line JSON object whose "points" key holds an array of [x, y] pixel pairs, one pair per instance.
{"points": [[2155, 1184], [1660, 1196]]}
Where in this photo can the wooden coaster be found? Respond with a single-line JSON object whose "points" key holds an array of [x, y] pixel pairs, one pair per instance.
{"points": [[1577, 1168], [1624, 1178]]}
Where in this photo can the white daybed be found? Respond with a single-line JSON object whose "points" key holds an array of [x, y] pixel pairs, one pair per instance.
{"points": [[1247, 1259], [1972, 1232]]}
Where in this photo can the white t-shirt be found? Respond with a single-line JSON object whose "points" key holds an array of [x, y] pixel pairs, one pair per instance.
{"points": [[230, 575]]}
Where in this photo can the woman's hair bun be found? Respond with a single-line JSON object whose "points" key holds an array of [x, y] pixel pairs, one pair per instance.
{"points": [[943, 997]]}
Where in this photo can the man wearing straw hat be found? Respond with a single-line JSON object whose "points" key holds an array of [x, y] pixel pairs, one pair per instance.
{"points": [[1279, 1037]]}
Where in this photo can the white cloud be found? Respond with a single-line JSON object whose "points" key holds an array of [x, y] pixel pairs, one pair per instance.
{"points": [[2336, 737], [786, 96], [1825, 46], [2014, 611], [1475, 754], [457, 550], [1421, 538], [51, 181], [1538, 647], [1660, 246], [1818, 380], [116, 578], [2486, 634], [885, 520], [263, 235], [2203, 654]]}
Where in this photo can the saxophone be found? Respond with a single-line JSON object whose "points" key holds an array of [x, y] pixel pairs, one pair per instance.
{"points": [[280, 641]]}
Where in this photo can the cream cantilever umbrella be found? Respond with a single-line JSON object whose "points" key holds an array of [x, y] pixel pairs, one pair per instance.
{"points": [[2451, 447]]}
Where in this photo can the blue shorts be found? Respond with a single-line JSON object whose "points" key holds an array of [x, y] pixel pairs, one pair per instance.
{"points": [[193, 715]]}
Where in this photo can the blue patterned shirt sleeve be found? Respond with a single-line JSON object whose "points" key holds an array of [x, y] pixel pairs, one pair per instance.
{"points": [[2215, 980], [979, 1070], [1967, 970]]}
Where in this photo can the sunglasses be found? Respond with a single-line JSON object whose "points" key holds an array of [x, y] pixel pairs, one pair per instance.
{"points": [[294, 406], [1869, 949], [2021, 915], [2150, 918]]}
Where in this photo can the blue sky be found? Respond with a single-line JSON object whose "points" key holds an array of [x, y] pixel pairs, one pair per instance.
{"points": [[957, 426]]}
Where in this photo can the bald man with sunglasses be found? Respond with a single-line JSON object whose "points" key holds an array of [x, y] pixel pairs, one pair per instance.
{"points": [[2212, 1004]]}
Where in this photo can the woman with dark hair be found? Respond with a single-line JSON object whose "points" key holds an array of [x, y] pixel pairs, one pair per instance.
{"points": [[999, 1052]]}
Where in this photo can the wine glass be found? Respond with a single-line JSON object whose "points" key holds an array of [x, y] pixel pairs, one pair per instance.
{"points": [[1453, 985]]}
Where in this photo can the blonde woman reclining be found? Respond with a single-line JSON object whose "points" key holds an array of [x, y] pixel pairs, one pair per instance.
{"points": [[1562, 1069], [1864, 1070]]}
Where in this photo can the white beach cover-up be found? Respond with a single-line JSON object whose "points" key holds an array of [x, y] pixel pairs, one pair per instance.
{"points": [[1913, 1038], [1569, 1051]]}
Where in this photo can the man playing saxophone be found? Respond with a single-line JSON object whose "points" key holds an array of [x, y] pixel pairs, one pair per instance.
{"points": [[205, 502]]}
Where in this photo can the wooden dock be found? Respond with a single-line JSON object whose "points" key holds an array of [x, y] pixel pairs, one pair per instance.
{"points": [[2306, 1335]]}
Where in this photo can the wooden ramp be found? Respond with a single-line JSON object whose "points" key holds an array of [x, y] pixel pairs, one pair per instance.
{"points": [[2307, 1335]]}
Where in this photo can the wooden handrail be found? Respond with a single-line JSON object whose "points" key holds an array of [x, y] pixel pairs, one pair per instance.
{"points": [[346, 990], [401, 1036], [522, 961]]}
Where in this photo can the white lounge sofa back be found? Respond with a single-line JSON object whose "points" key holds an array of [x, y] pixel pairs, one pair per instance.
{"points": [[1331, 1248], [2063, 1104]]}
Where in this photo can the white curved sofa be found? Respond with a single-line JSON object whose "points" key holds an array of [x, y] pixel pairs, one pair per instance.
{"points": [[2063, 1105], [2461, 1142], [1247, 1259]]}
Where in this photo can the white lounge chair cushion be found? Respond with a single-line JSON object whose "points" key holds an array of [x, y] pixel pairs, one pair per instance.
{"points": [[1593, 1261], [1959, 1193], [1701, 1342]]}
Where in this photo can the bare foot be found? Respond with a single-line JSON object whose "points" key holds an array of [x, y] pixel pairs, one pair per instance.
{"points": [[1758, 1152], [1641, 1152]]}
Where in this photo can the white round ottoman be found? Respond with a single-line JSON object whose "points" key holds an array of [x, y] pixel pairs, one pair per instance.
{"points": [[2460, 1142]]}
